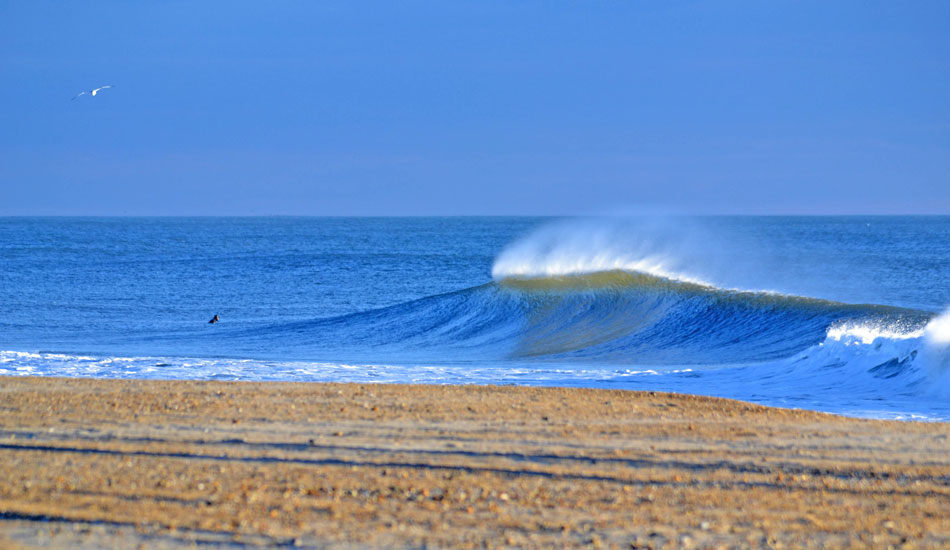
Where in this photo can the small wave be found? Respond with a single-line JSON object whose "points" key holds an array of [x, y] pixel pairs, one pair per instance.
{"points": [[935, 354], [913, 358]]}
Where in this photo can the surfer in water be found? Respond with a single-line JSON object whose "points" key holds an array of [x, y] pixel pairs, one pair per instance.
{"points": [[214, 320]]}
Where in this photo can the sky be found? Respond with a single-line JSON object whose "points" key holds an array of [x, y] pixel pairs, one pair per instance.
{"points": [[474, 108]]}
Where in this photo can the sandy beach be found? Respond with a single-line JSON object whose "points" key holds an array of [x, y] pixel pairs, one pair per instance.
{"points": [[168, 464]]}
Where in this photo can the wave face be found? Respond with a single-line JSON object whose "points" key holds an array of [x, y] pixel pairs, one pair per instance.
{"points": [[611, 316]]}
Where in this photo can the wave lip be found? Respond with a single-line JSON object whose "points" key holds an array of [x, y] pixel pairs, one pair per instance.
{"points": [[616, 279], [549, 268], [580, 247]]}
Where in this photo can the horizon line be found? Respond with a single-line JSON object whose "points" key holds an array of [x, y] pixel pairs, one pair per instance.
{"points": [[599, 215]]}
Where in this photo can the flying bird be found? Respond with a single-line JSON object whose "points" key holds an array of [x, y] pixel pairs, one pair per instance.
{"points": [[92, 92]]}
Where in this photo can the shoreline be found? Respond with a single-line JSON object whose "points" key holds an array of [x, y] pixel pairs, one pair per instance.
{"points": [[94, 462]]}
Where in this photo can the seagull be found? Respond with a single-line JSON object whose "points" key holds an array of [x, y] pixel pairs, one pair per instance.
{"points": [[92, 92]]}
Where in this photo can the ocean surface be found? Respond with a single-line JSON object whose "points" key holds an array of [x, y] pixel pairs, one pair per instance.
{"points": [[837, 314]]}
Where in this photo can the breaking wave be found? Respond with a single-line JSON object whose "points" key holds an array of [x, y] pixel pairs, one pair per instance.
{"points": [[569, 307]]}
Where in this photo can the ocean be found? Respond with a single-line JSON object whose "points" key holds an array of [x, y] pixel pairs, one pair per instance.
{"points": [[837, 314]]}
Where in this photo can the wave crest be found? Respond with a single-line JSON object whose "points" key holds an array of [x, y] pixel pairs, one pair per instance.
{"points": [[580, 247]]}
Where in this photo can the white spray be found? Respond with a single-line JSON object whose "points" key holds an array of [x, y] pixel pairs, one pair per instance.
{"points": [[653, 246]]}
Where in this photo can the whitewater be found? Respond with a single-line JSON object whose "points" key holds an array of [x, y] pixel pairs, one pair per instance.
{"points": [[844, 315]]}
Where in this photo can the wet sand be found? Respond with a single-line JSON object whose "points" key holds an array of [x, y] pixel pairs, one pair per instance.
{"points": [[158, 464]]}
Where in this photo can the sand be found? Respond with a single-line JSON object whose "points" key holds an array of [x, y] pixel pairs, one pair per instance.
{"points": [[170, 464]]}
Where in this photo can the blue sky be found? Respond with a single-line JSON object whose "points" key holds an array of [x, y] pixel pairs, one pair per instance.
{"points": [[416, 108]]}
